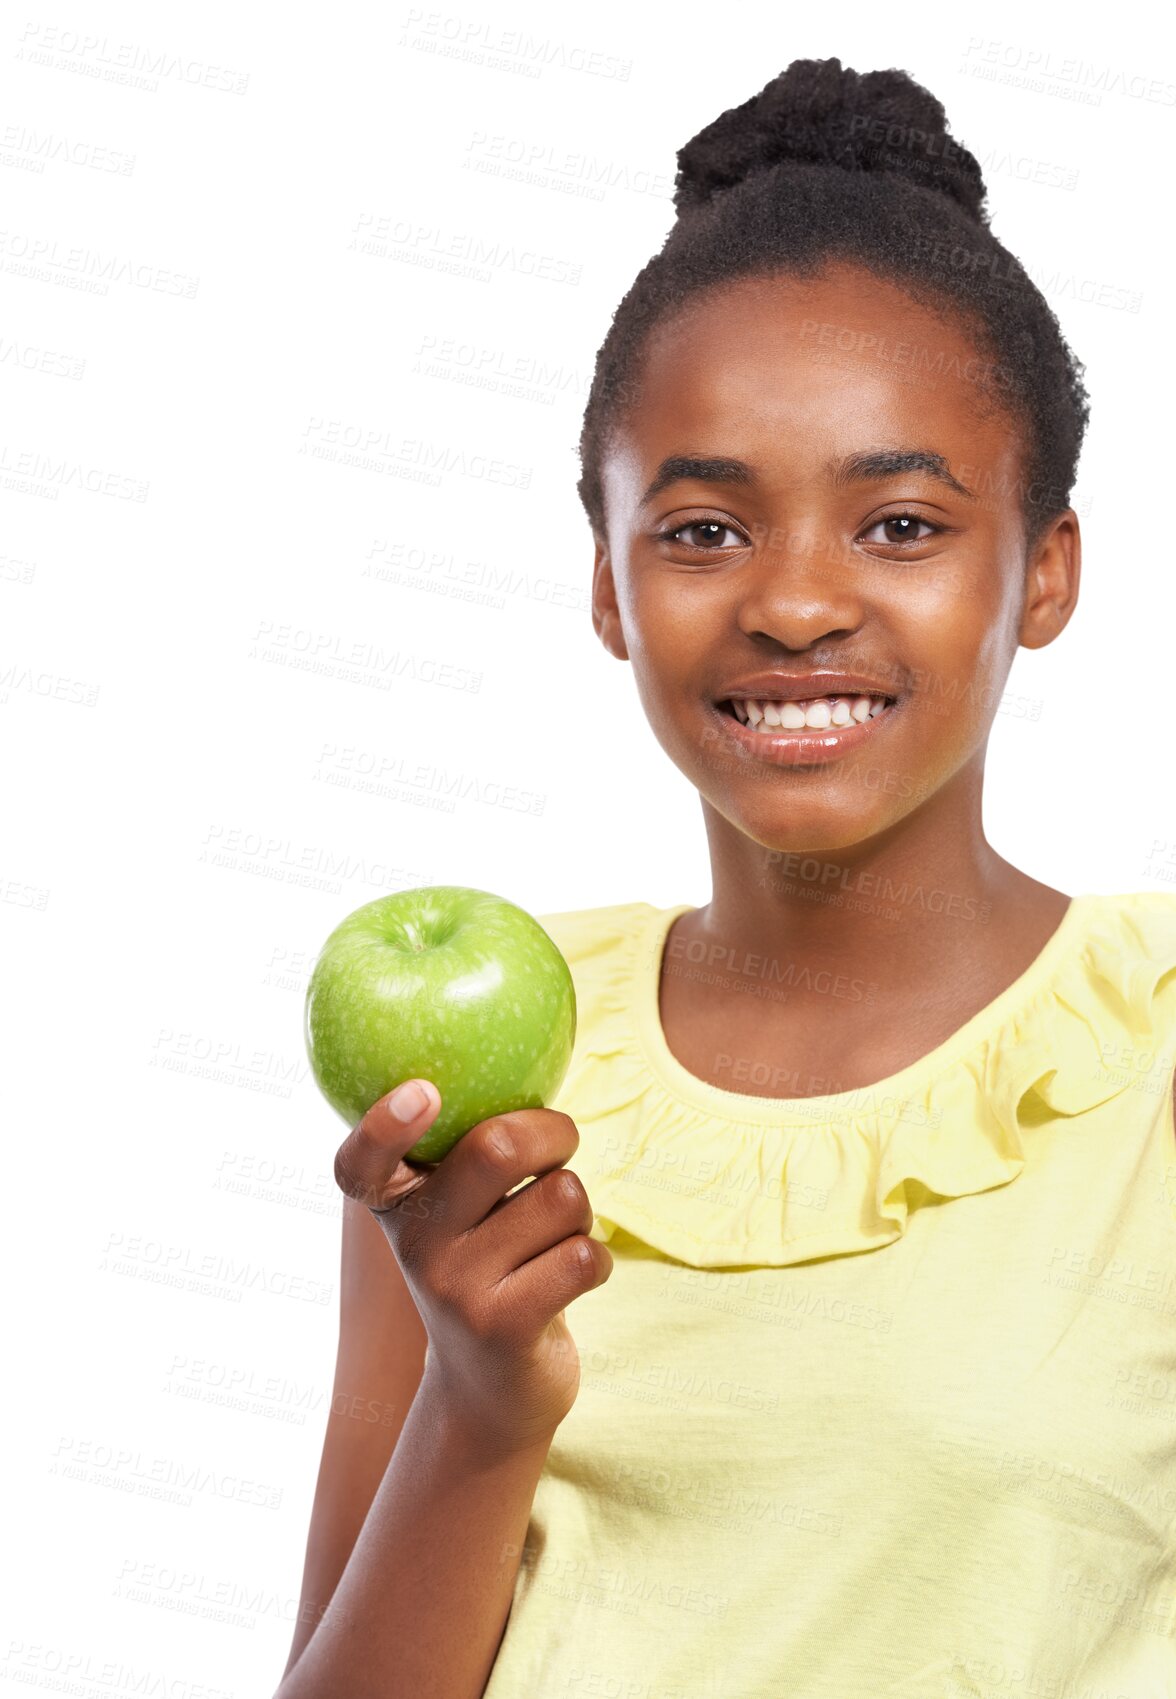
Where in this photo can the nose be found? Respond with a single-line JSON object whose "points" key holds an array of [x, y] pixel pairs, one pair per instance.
{"points": [[798, 588]]}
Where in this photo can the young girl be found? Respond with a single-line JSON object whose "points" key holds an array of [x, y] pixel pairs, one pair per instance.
{"points": [[866, 1383]]}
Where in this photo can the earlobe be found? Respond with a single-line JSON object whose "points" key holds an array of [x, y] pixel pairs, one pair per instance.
{"points": [[606, 619], [1051, 583]]}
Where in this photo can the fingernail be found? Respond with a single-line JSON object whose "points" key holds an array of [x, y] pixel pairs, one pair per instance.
{"points": [[408, 1100]]}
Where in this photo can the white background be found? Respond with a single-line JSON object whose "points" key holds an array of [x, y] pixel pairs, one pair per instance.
{"points": [[219, 721]]}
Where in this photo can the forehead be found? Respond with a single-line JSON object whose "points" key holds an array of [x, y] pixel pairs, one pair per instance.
{"points": [[789, 373]]}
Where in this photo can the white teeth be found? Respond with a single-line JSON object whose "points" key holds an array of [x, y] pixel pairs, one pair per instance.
{"points": [[817, 714]]}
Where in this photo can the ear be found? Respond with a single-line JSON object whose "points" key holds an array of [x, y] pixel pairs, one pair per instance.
{"points": [[1051, 582], [606, 618]]}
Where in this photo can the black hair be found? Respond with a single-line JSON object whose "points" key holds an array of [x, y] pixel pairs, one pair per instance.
{"points": [[826, 165]]}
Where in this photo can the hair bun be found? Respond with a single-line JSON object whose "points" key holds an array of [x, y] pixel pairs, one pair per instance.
{"points": [[816, 113]]}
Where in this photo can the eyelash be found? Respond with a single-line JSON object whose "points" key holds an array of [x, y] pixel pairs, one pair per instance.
{"points": [[675, 531]]}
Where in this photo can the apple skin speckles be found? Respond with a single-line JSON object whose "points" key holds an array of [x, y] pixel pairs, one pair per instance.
{"points": [[445, 983]]}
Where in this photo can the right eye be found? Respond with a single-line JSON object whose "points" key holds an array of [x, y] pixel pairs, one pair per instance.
{"points": [[712, 525]]}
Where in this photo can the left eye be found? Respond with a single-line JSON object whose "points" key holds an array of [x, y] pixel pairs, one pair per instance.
{"points": [[711, 525], [909, 520]]}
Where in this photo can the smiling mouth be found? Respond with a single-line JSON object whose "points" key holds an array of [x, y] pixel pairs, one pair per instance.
{"points": [[817, 714]]}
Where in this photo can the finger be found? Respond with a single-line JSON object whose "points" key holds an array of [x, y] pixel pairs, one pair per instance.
{"points": [[496, 1155], [369, 1164], [549, 1282], [529, 1222]]}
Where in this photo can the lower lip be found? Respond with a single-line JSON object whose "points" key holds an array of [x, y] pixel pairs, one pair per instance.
{"points": [[803, 748]]}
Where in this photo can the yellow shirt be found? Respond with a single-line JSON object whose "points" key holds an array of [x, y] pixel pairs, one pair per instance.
{"points": [[880, 1396]]}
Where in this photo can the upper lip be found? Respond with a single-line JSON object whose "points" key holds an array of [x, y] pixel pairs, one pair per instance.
{"points": [[801, 687]]}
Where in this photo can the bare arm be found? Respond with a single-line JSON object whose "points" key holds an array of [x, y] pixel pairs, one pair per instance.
{"points": [[378, 1369], [421, 1607], [416, 1539]]}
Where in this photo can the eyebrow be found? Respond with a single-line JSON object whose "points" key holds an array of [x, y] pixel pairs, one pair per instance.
{"points": [[852, 469]]}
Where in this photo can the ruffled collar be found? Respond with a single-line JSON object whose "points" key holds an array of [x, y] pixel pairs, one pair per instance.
{"points": [[717, 1178]]}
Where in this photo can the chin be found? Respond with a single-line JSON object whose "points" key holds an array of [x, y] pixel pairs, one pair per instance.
{"points": [[824, 827]]}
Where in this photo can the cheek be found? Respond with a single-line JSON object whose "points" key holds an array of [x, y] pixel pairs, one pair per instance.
{"points": [[662, 628], [957, 620], [958, 691], [985, 635]]}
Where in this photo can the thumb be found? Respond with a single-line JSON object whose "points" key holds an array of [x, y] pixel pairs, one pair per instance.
{"points": [[369, 1164]]}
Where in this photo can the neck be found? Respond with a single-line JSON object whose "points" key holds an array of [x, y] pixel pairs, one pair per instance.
{"points": [[898, 909]]}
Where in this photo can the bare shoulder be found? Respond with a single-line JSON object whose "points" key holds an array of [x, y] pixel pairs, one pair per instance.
{"points": [[378, 1369]]}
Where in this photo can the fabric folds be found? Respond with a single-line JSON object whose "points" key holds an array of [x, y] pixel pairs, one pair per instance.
{"points": [[717, 1178]]}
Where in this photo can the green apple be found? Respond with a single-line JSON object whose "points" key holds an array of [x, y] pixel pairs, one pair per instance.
{"points": [[447, 984]]}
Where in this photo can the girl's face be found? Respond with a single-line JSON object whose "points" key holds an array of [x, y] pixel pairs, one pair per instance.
{"points": [[801, 561]]}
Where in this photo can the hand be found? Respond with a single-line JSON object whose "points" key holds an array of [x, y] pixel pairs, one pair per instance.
{"points": [[490, 1274]]}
